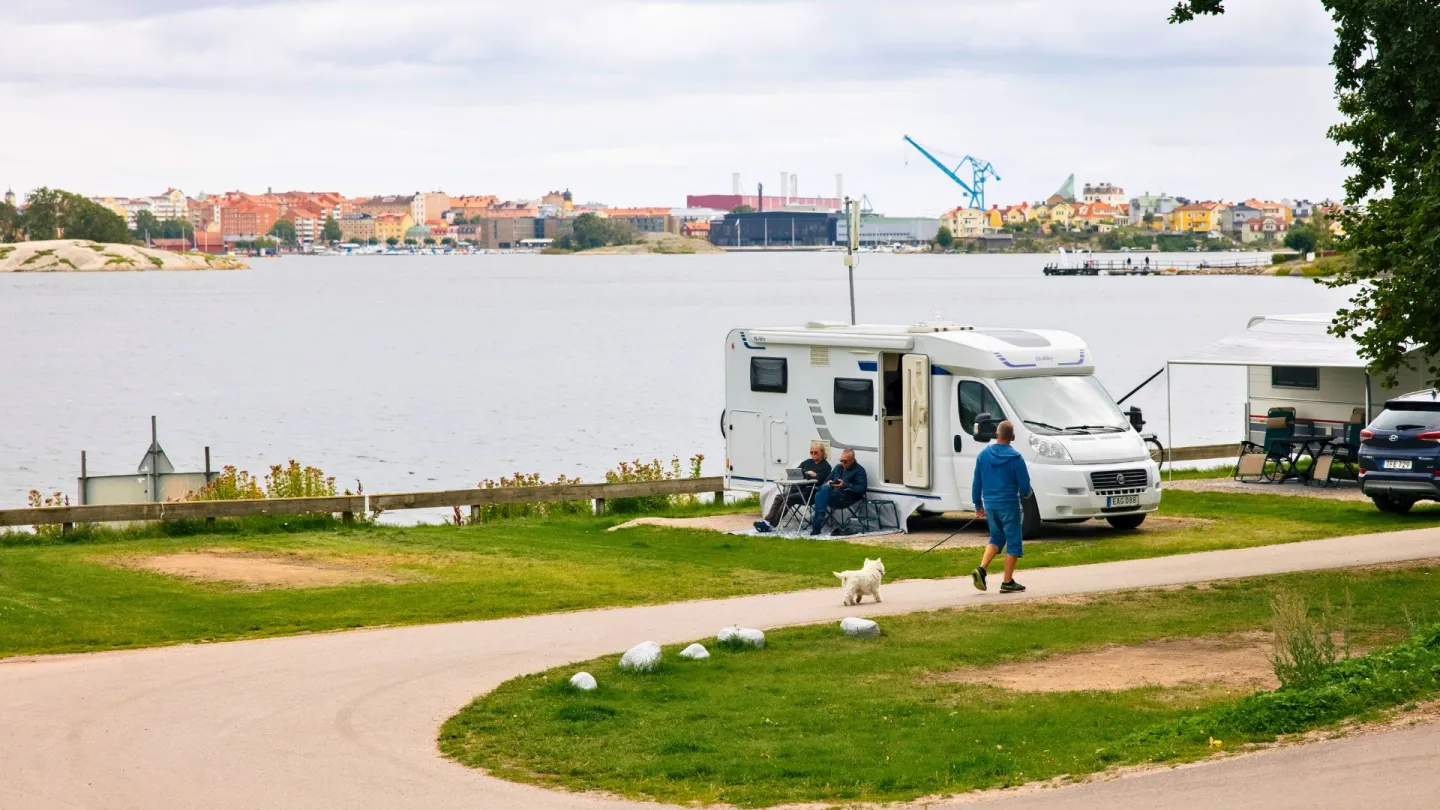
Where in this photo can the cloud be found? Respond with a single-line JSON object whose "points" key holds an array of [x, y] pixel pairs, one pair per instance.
{"points": [[634, 98]]}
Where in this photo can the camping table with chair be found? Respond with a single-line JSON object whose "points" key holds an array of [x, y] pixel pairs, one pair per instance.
{"points": [[1312, 446], [797, 514]]}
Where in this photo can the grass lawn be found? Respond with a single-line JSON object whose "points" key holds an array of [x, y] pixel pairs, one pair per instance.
{"points": [[816, 716], [67, 596]]}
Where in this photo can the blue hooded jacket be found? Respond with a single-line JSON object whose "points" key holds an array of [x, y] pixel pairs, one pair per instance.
{"points": [[1000, 477]]}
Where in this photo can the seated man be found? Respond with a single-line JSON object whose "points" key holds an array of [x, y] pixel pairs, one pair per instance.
{"points": [[816, 469], [846, 486]]}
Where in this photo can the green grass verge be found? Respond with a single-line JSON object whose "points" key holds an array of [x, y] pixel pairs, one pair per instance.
{"points": [[816, 716], [59, 595]]}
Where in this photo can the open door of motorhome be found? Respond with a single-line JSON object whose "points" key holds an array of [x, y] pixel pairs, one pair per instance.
{"points": [[915, 371]]}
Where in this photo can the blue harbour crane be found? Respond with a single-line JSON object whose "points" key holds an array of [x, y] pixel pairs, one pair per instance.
{"points": [[979, 170]]}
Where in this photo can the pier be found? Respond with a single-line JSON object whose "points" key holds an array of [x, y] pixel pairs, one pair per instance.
{"points": [[1120, 267]]}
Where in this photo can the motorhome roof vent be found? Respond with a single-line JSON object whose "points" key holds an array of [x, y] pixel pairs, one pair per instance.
{"points": [[825, 325], [941, 326]]}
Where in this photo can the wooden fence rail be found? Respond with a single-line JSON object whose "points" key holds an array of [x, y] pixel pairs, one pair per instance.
{"points": [[349, 505]]}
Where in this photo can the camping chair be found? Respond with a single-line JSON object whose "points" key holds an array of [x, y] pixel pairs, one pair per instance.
{"points": [[1342, 453], [865, 515], [797, 515], [1255, 459]]}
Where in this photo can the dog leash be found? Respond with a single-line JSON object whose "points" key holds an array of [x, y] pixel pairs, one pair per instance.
{"points": [[890, 571]]}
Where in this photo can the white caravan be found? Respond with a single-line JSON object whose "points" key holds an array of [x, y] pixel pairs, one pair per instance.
{"points": [[907, 400]]}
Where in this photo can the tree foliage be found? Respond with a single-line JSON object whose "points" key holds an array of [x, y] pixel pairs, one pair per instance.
{"points": [[50, 213], [1387, 82], [11, 225], [284, 230], [943, 237], [146, 224], [331, 230], [591, 231], [743, 209]]}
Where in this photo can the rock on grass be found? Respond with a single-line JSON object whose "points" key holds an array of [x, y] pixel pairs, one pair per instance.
{"points": [[643, 657]]}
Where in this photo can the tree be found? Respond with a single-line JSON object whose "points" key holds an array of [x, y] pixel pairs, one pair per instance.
{"points": [[1301, 239], [372, 241], [176, 229], [1387, 80], [429, 240], [943, 238], [591, 231], [11, 225], [284, 230], [49, 213], [146, 225], [331, 231], [391, 241], [742, 209], [409, 241], [447, 241]]}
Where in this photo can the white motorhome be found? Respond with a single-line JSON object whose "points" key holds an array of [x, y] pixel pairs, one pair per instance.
{"points": [[907, 400]]}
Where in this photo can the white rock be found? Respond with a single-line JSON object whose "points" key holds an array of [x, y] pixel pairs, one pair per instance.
{"points": [[859, 628], [695, 652], [748, 635], [643, 657], [583, 681]]}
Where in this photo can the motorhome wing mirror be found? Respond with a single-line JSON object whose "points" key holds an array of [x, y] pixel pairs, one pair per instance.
{"points": [[985, 426], [1136, 420]]}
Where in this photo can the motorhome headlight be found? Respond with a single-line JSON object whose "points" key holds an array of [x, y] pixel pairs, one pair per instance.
{"points": [[1049, 450]]}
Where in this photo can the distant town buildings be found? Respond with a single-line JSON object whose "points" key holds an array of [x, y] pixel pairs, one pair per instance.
{"points": [[1104, 192]]}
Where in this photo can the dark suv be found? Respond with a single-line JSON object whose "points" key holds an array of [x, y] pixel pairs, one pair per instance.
{"points": [[1400, 452]]}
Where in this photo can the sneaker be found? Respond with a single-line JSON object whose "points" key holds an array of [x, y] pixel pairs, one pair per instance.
{"points": [[978, 577], [1011, 587], [762, 526]]}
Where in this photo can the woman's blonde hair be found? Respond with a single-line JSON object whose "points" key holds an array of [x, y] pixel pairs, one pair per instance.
{"points": [[824, 454]]}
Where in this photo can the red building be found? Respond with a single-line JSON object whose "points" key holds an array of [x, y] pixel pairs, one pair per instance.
{"points": [[247, 219]]}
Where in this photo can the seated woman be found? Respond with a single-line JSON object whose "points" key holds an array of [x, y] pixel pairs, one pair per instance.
{"points": [[816, 469]]}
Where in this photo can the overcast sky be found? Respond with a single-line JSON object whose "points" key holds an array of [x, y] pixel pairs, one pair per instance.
{"points": [[641, 103]]}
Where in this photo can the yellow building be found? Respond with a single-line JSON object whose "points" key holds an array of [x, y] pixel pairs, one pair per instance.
{"points": [[1203, 217], [994, 219], [964, 222], [393, 226], [1059, 214]]}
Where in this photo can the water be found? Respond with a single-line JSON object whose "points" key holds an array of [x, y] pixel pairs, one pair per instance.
{"points": [[432, 372]]}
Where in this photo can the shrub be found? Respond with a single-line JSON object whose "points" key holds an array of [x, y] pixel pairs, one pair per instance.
{"points": [[637, 471], [1282, 271], [37, 500], [287, 481], [503, 511], [1304, 648], [1281, 258]]}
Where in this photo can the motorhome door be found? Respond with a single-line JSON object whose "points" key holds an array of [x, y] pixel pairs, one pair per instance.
{"points": [[745, 444], [915, 371], [973, 397]]}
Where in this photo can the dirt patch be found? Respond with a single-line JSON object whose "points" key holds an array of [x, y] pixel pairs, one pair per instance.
{"points": [[254, 571], [1240, 661], [714, 523], [1337, 491]]}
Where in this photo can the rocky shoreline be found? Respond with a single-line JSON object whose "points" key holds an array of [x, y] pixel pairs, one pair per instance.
{"points": [[83, 256]]}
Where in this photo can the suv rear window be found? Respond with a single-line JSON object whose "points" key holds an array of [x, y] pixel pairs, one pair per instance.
{"points": [[1406, 417]]}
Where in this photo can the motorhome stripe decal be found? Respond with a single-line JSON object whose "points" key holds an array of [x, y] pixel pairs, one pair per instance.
{"points": [[869, 365], [747, 344], [1079, 362], [824, 431], [819, 420], [906, 494], [939, 372], [744, 478], [1001, 358]]}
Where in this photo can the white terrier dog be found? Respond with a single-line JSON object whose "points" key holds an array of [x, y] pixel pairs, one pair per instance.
{"points": [[858, 584]]}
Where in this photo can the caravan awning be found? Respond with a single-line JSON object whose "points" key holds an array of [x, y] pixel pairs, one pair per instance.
{"points": [[1280, 340]]}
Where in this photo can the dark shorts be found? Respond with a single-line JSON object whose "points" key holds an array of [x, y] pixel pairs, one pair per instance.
{"points": [[1005, 528]]}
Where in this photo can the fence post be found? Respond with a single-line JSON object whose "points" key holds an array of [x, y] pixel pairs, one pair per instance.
{"points": [[347, 518], [720, 498], [599, 506], [475, 513], [66, 528]]}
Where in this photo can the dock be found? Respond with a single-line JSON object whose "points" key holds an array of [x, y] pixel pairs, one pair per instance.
{"points": [[1121, 267]]}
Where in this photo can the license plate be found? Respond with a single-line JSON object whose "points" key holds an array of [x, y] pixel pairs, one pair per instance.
{"points": [[1123, 500], [1398, 464]]}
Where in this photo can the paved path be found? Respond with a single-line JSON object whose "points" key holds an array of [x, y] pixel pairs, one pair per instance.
{"points": [[349, 719]]}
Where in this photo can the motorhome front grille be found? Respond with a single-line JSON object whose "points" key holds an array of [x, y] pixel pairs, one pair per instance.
{"points": [[1119, 479]]}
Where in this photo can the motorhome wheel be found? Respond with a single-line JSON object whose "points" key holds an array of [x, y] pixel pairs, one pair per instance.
{"points": [[1126, 522]]}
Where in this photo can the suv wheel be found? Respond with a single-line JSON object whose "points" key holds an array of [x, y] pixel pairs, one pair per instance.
{"points": [[1126, 522], [1395, 506]]}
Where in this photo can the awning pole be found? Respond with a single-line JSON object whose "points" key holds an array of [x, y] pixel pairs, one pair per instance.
{"points": [[1169, 425]]}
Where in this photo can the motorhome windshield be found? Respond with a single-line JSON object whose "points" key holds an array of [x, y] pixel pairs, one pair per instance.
{"points": [[1064, 405]]}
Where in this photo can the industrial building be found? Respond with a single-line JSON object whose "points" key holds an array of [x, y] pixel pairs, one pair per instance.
{"points": [[775, 229], [889, 230]]}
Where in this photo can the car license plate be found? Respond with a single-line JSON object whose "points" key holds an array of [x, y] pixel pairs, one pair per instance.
{"points": [[1123, 500], [1398, 464]]}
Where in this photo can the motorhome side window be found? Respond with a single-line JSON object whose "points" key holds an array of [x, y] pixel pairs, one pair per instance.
{"points": [[976, 399], [1294, 377], [856, 397], [769, 374]]}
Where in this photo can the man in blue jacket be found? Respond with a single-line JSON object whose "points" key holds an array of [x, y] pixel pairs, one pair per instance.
{"points": [[846, 486], [1001, 480]]}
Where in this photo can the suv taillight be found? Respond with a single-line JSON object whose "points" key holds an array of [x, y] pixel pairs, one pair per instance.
{"points": [[1367, 433], [1429, 435]]}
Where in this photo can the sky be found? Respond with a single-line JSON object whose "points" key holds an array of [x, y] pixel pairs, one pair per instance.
{"points": [[642, 103]]}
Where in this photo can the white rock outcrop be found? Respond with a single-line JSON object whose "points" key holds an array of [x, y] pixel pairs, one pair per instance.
{"points": [[81, 256], [746, 635], [859, 628], [695, 652], [643, 657], [583, 681]]}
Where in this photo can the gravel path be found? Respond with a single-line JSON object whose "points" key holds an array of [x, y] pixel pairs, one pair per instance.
{"points": [[1340, 491]]}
